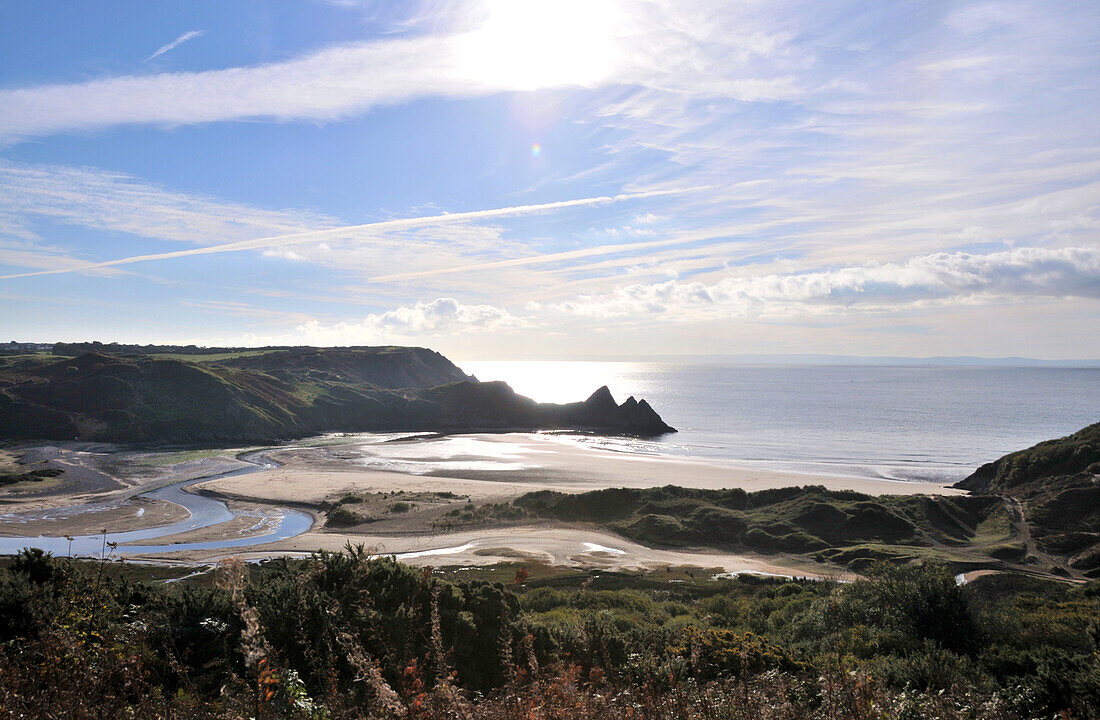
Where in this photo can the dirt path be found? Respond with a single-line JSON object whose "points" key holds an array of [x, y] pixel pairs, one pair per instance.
{"points": [[1022, 529]]}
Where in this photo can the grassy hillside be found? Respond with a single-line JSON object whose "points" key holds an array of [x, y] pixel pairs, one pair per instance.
{"points": [[262, 396], [1054, 489], [1050, 462]]}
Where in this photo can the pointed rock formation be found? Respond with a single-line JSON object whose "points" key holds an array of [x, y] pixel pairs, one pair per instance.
{"points": [[280, 394]]}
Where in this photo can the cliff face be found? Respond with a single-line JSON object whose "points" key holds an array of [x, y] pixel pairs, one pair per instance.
{"points": [[280, 394]]}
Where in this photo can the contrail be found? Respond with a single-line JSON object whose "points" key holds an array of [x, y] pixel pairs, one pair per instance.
{"points": [[381, 226], [191, 35]]}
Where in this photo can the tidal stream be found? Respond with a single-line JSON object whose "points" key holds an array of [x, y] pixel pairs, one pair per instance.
{"points": [[204, 512]]}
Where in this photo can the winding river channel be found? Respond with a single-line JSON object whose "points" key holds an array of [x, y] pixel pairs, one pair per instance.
{"points": [[204, 512]]}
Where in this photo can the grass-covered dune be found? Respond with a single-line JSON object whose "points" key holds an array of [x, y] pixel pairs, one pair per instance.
{"points": [[841, 526], [346, 636], [1036, 510], [274, 394]]}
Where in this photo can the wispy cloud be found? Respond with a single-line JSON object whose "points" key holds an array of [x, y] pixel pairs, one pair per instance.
{"points": [[957, 64], [355, 231], [598, 44], [328, 84], [105, 200], [189, 35], [36, 254]]}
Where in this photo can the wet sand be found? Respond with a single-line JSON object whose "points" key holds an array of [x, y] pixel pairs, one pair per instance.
{"points": [[239, 527], [137, 514]]}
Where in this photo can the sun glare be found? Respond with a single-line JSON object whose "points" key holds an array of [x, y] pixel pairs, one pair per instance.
{"points": [[563, 381], [532, 44]]}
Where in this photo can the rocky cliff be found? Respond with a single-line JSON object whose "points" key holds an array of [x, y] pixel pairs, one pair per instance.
{"points": [[261, 396]]}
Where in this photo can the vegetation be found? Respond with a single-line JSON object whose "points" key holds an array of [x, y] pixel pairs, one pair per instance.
{"points": [[1053, 494], [341, 516], [349, 636], [31, 475], [844, 527], [1031, 470], [263, 396], [1037, 510], [470, 514]]}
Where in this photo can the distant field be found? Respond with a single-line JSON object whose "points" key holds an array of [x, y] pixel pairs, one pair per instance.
{"points": [[214, 357]]}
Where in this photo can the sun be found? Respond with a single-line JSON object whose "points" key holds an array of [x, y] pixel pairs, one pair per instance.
{"points": [[532, 44]]}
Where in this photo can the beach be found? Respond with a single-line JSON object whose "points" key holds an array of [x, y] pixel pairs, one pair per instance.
{"points": [[494, 467], [407, 488], [454, 471]]}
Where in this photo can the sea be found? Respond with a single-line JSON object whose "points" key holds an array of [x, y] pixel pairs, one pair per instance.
{"points": [[931, 423]]}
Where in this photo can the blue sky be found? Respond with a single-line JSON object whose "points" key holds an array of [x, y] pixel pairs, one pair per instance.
{"points": [[555, 179]]}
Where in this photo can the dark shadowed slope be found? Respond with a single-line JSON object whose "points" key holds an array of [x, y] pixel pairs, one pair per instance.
{"points": [[279, 394]]}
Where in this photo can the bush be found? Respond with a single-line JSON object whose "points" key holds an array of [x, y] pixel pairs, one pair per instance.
{"points": [[895, 610], [342, 517]]}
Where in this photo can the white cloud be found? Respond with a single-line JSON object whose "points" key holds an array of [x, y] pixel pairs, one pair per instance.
{"points": [[939, 278], [442, 316], [283, 254]]}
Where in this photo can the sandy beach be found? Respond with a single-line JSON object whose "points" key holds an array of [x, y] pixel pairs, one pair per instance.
{"points": [[482, 468], [428, 477], [526, 462]]}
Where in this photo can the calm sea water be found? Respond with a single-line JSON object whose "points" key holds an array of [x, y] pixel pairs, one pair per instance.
{"points": [[917, 422]]}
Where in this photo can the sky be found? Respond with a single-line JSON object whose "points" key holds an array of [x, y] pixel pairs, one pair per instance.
{"points": [[560, 179]]}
